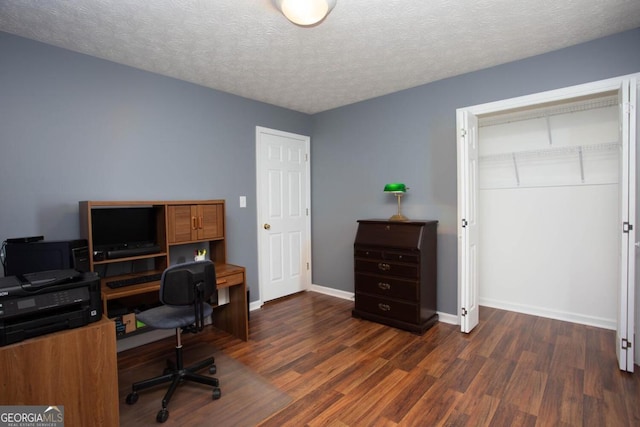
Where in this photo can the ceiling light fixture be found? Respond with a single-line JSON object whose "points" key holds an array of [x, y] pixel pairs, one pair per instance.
{"points": [[305, 12]]}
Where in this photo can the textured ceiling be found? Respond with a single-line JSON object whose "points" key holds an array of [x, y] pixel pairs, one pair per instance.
{"points": [[364, 49]]}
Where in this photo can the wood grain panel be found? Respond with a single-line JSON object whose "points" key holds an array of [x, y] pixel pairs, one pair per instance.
{"points": [[75, 368]]}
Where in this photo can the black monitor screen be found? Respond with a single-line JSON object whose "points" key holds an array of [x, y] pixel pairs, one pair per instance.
{"points": [[116, 228]]}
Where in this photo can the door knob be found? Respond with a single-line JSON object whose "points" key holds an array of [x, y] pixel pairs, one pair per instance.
{"points": [[267, 227]]}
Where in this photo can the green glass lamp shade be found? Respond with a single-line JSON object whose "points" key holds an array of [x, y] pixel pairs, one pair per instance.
{"points": [[395, 187]]}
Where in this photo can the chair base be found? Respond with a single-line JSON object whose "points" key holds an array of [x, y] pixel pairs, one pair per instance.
{"points": [[176, 374]]}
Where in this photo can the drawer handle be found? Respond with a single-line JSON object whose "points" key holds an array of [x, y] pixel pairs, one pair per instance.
{"points": [[383, 266], [384, 286], [384, 307]]}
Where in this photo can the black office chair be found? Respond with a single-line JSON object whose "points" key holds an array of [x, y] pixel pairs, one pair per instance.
{"points": [[184, 292]]}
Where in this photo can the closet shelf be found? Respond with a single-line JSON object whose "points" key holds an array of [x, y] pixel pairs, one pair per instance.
{"points": [[551, 152], [521, 161]]}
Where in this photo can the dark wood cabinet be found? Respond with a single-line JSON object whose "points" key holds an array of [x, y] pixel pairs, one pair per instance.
{"points": [[395, 266]]}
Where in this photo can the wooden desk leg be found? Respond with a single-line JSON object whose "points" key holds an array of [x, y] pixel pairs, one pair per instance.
{"points": [[234, 317]]}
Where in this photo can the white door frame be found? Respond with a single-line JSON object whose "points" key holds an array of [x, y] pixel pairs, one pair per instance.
{"points": [[468, 286], [262, 258]]}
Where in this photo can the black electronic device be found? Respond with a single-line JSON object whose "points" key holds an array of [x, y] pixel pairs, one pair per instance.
{"points": [[25, 239], [135, 280], [120, 232], [39, 303], [24, 256]]}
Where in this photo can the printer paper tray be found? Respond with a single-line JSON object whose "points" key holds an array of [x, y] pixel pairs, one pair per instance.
{"points": [[12, 332]]}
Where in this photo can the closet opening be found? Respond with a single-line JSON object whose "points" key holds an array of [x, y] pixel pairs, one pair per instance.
{"points": [[546, 206]]}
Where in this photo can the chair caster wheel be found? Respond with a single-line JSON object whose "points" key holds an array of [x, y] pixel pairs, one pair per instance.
{"points": [[132, 398], [217, 393], [213, 369], [163, 415]]}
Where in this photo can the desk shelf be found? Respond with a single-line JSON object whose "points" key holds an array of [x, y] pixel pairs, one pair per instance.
{"points": [[133, 258]]}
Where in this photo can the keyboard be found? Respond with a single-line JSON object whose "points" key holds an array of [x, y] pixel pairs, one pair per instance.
{"points": [[137, 280]]}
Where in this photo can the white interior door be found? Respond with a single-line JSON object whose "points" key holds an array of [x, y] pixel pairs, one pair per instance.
{"points": [[284, 249], [468, 189], [467, 220]]}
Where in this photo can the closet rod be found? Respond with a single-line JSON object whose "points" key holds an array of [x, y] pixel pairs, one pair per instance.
{"points": [[538, 113]]}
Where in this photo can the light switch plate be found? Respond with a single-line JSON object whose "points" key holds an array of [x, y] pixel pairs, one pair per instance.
{"points": [[243, 201]]}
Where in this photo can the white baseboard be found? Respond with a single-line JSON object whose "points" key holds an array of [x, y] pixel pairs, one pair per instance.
{"points": [[255, 305], [332, 292], [551, 314], [451, 319]]}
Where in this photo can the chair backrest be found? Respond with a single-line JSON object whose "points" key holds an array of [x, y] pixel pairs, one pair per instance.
{"points": [[185, 284]]}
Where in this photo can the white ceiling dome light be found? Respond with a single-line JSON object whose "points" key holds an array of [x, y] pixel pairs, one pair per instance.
{"points": [[305, 12]]}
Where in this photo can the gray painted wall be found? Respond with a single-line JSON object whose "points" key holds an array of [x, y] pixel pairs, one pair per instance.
{"points": [[73, 128], [410, 137], [76, 128]]}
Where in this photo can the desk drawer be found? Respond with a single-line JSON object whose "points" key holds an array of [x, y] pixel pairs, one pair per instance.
{"points": [[230, 280], [388, 287], [370, 253], [388, 308], [386, 268]]}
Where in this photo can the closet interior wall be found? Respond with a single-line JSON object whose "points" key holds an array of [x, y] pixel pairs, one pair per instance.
{"points": [[549, 210]]}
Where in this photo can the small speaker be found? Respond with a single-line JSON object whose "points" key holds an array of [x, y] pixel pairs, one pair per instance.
{"points": [[80, 257]]}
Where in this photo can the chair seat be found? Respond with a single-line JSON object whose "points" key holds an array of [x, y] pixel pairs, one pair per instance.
{"points": [[171, 317]]}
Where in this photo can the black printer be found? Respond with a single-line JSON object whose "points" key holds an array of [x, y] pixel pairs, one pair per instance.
{"points": [[47, 301]]}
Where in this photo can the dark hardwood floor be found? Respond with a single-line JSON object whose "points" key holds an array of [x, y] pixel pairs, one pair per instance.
{"points": [[512, 370]]}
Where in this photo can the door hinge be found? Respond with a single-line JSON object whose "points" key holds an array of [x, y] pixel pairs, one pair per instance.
{"points": [[626, 344], [464, 311], [626, 227], [306, 157], [463, 132], [307, 211], [307, 266], [627, 108], [464, 223]]}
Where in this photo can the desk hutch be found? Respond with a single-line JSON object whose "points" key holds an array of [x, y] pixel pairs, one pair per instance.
{"points": [[177, 223]]}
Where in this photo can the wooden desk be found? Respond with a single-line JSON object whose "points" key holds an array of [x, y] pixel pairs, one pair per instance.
{"points": [[76, 368], [232, 317], [177, 223]]}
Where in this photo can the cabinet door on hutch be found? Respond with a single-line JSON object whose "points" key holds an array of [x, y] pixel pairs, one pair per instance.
{"points": [[195, 222], [210, 223], [181, 223]]}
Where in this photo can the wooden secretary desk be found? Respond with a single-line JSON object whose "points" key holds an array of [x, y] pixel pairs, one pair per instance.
{"points": [[396, 272]]}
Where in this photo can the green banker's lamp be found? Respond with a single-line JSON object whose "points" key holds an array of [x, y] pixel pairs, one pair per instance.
{"points": [[397, 189]]}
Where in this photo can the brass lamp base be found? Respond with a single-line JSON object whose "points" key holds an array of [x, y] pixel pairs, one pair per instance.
{"points": [[398, 217]]}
